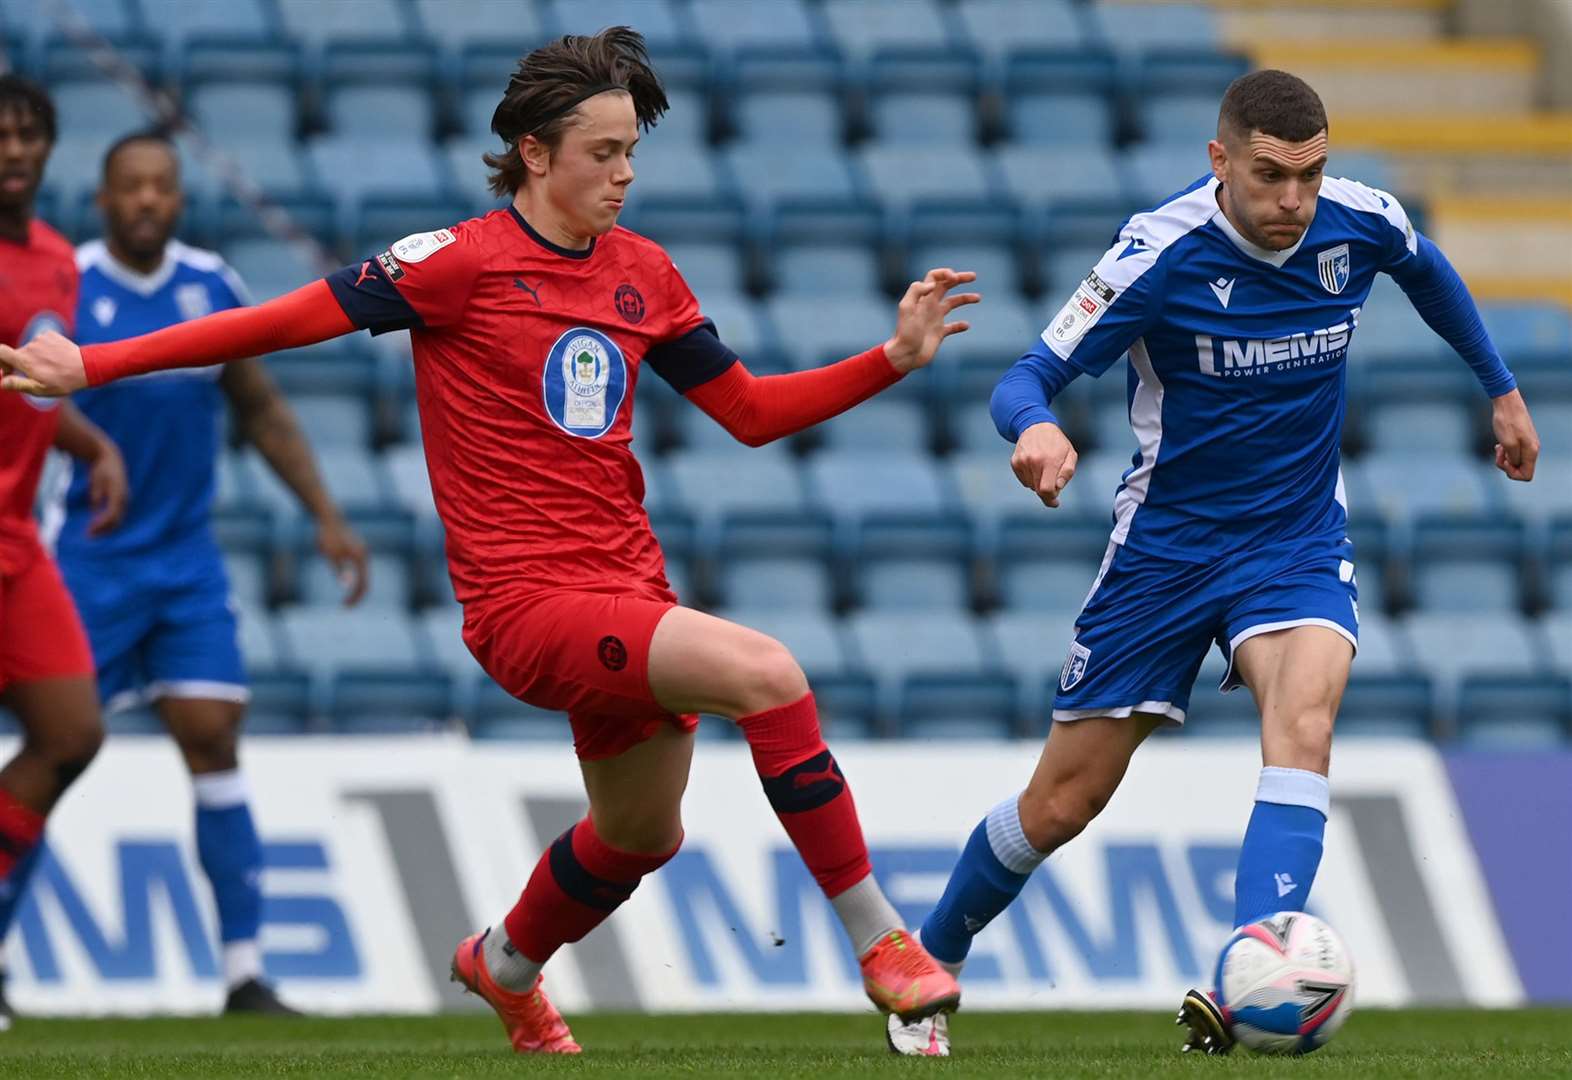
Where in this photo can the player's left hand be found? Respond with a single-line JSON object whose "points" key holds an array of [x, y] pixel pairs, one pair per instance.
{"points": [[345, 551], [919, 322], [107, 489], [1517, 443], [48, 366]]}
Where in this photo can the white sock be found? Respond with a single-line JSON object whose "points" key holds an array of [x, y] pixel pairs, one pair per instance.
{"points": [[242, 962], [866, 914], [509, 968]]}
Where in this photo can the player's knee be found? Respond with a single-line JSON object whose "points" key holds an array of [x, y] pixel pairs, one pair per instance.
{"points": [[771, 677], [1054, 817]]}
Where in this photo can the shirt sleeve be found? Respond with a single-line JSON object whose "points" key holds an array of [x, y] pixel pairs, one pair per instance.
{"points": [[421, 282]]}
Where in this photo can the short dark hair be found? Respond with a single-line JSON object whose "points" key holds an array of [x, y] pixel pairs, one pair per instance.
{"points": [[150, 135], [27, 96], [551, 82], [1274, 103]]}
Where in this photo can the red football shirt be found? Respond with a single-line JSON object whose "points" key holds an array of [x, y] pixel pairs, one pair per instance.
{"points": [[37, 292], [526, 359]]}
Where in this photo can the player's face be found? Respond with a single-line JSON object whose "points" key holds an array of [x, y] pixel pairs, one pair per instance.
{"points": [[141, 198], [1270, 185], [587, 179], [24, 147]]}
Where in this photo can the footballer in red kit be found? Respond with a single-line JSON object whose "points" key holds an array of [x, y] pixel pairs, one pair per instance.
{"points": [[46, 666], [530, 328]]}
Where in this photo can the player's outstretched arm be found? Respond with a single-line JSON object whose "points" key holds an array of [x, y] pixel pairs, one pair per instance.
{"points": [[265, 418], [52, 366], [107, 486], [760, 410]]}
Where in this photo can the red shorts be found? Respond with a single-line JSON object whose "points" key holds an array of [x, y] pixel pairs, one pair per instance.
{"points": [[582, 653], [41, 636]]}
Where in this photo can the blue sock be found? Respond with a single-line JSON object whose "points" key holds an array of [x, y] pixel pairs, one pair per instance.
{"points": [[1282, 845], [14, 887], [992, 870], [231, 856]]}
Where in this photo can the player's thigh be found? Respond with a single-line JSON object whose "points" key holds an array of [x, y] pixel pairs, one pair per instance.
{"points": [[636, 797], [1297, 676], [701, 664], [1081, 766], [207, 730]]}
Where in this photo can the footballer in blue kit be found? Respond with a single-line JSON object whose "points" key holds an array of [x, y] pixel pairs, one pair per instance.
{"points": [[1236, 302], [154, 596]]}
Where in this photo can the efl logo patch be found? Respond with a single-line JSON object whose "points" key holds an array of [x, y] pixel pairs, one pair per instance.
{"points": [[629, 303], [1074, 669], [1332, 266]]}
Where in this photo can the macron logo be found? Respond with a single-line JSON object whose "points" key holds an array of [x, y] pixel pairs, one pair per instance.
{"points": [[1285, 885], [1222, 289]]}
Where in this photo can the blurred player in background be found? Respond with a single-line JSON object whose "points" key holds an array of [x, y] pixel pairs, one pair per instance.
{"points": [[46, 668], [1236, 301], [154, 596], [530, 326]]}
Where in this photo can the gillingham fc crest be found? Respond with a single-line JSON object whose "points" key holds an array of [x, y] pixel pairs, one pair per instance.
{"points": [[584, 382]]}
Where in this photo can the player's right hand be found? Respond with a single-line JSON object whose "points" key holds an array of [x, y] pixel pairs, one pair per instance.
{"points": [[48, 366], [1044, 461]]}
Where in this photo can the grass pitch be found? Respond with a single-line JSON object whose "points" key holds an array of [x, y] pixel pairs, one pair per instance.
{"points": [[1421, 1044]]}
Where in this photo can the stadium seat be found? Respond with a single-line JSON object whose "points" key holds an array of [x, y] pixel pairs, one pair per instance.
{"points": [[776, 118], [229, 112], [830, 269], [997, 26], [377, 111], [1065, 121], [859, 27], [1467, 565]]}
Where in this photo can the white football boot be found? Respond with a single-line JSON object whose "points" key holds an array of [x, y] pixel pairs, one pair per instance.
{"points": [[928, 1037]]}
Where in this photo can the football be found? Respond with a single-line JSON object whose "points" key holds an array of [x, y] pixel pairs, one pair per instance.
{"points": [[1286, 983]]}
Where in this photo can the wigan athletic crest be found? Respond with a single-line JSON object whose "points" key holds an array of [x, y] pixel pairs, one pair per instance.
{"points": [[584, 382], [1332, 265]]}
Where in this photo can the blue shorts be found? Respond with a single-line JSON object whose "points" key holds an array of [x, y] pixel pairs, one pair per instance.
{"points": [[1148, 622], [160, 624]]}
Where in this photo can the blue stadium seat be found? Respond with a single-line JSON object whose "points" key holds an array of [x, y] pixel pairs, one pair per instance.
{"points": [[269, 267], [709, 268], [726, 25], [793, 118], [325, 639], [997, 26], [709, 485], [815, 329], [1130, 27], [1417, 427], [388, 583], [1046, 176], [1402, 485], [1515, 711], [481, 21], [881, 426], [1468, 565], [365, 20], [769, 173], [1062, 120], [97, 109], [924, 118], [1181, 119], [230, 112], [969, 706], [862, 26], [777, 584], [828, 269], [371, 111], [248, 579], [901, 175], [855, 483]]}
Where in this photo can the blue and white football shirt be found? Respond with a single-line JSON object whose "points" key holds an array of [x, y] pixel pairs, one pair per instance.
{"points": [[167, 423]]}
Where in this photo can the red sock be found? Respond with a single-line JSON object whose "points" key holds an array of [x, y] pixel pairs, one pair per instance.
{"points": [[21, 827], [577, 884], [809, 793]]}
